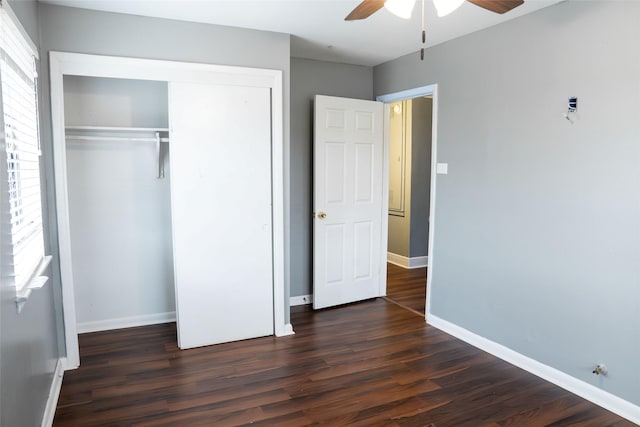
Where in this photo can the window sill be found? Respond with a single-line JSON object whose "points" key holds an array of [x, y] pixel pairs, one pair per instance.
{"points": [[37, 282]]}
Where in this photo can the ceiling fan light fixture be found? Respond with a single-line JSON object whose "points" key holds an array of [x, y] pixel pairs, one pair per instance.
{"points": [[445, 7], [401, 8]]}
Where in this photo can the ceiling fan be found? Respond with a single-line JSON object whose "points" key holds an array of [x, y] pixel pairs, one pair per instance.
{"points": [[369, 7]]}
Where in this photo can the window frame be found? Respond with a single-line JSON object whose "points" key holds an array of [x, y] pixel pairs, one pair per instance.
{"points": [[36, 261]]}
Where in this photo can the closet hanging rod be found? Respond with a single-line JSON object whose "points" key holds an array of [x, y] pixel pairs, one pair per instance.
{"points": [[116, 129], [115, 138]]}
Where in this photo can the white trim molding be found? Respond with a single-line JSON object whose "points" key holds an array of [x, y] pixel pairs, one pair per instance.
{"points": [[62, 63], [407, 94], [301, 300], [585, 390], [398, 96], [286, 331], [54, 394], [126, 322], [384, 230], [405, 262]]}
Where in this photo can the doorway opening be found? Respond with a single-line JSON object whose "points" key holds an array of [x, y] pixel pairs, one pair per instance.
{"points": [[410, 135]]}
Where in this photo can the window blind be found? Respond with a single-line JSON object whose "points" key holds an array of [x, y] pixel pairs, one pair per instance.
{"points": [[20, 114]]}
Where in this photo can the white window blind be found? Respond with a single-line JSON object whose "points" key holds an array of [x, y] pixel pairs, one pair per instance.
{"points": [[20, 115]]}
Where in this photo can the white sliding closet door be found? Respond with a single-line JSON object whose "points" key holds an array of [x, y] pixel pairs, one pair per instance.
{"points": [[221, 212]]}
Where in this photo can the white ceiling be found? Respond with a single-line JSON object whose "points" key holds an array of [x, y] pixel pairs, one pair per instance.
{"points": [[318, 28]]}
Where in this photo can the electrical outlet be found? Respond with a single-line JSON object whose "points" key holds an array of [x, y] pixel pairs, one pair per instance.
{"points": [[600, 369]]}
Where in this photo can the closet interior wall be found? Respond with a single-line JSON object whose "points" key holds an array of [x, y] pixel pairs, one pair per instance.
{"points": [[120, 211]]}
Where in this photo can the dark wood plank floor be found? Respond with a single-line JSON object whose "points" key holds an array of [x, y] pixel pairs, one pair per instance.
{"points": [[407, 287], [367, 364]]}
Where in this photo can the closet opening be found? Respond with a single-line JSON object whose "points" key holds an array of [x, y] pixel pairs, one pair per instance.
{"points": [[117, 157], [169, 185]]}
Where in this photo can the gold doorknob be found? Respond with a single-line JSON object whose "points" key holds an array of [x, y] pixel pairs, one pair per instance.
{"points": [[322, 215]]}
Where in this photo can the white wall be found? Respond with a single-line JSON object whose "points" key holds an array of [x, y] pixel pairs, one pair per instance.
{"points": [[119, 210], [537, 224]]}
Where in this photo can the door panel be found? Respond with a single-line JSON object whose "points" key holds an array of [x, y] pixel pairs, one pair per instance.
{"points": [[221, 212], [362, 250], [364, 173], [348, 174], [335, 172]]}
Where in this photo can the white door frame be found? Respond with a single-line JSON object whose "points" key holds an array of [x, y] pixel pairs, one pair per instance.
{"points": [[61, 64], [388, 99]]}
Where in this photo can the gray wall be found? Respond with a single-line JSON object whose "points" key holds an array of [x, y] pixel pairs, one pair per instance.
{"points": [[399, 235], [28, 346], [537, 226], [83, 31], [27, 13], [310, 78], [421, 111]]}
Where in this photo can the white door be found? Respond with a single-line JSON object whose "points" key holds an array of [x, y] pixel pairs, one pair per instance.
{"points": [[348, 178], [221, 212]]}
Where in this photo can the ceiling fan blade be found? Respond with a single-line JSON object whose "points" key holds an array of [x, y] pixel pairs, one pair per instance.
{"points": [[365, 9], [497, 6]]}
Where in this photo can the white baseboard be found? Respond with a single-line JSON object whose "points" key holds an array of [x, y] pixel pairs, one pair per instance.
{"points": [[585, 390], [403, 261], [66, 366], [301, 300], [126, 322], [288, 330], [54, 394]]}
